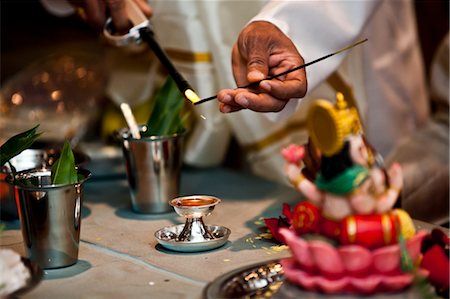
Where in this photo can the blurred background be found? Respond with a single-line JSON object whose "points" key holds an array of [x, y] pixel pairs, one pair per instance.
{"points": [[54, 71]]}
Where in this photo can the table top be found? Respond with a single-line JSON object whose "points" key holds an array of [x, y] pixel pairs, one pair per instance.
{"points": [[119, 256]]}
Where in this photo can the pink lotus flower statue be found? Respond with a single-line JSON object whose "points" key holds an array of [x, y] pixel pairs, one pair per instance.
{"points": [[319, 266]]}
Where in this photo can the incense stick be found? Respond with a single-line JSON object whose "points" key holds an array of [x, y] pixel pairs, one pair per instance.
{"points": [[182, 84], [289, 71], [131, 121]]}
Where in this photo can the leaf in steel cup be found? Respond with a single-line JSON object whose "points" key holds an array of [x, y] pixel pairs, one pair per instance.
{"points": [[165, 117], [63, 170], [16, 144]]}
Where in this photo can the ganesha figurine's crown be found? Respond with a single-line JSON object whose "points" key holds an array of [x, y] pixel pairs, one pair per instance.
{"points": [[329, 124]]}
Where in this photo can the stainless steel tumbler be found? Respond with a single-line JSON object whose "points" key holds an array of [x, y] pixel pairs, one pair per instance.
{"points": [[153, 166], [50, 217], [28, 159]]}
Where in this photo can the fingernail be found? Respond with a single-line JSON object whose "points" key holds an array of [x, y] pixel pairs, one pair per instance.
{"points": [[256, 75], [265, 85], [225, 109], [226, 98], [242, 100]]}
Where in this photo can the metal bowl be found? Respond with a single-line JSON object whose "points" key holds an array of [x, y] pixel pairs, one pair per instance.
{"points": [[28, 159]]}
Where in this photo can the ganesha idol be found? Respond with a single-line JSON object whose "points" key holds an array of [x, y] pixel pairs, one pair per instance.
{"points": [[350, 199]]}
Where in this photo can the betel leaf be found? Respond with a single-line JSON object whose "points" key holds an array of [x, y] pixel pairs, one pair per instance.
{"points": [[166, 117], [16, 144], [63, 170]]}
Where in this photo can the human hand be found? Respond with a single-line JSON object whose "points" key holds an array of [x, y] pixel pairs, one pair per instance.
{"points": [[95, 12], [262, 50]]}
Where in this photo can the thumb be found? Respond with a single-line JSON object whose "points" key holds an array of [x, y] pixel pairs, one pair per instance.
{"points": [[257, 65]]}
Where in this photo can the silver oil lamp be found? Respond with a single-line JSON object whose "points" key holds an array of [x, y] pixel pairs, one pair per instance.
{"points": [[194, 235]]}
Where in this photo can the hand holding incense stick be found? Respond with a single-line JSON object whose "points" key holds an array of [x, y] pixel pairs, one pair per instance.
{"points": [[137, 17], [289, 71], [142, 32]]}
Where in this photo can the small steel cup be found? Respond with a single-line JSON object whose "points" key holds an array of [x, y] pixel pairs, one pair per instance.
{"points": [[50, 216], [153, 166], [28, 159]]}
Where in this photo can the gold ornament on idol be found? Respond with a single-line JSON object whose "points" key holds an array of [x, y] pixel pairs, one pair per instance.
{"points": [[329, 124]]}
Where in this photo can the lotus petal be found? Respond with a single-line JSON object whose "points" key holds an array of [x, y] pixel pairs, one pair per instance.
{"points": [[387, 259], [327, 259], [359, 266], [299, 248]]}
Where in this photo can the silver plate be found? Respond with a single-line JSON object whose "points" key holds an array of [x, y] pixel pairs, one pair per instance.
{"points": [[266, 280], [167, 238]]}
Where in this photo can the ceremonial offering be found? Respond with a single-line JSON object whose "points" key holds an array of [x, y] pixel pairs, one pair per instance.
{"points": [[346, 237], [198, 101], [142, 32], [153, 166], [267, 279], [50, 216], [194, 235], [153, 152], [48, 202], [28, 159]]}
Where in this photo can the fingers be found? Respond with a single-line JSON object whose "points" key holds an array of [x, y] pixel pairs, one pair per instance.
{"points": [[95, 13], [226, 101], [228, 108], [119, 15], [250, 54], [263, 50], [145, 8], [287, 89], [257, 65], [236, 99]]}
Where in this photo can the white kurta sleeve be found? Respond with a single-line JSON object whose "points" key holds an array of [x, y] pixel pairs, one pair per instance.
{"points": [[318, 28]]}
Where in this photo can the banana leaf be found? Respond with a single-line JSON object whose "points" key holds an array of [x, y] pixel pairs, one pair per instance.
{"points": [[16, 144], [166, 117], [64, 171]]}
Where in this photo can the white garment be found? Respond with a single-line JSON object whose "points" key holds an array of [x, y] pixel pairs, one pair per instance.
{"points": [[386, 72], [392, 93]]}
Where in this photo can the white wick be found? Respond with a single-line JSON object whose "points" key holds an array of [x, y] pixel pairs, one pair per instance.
{"points": [[131, 121]]}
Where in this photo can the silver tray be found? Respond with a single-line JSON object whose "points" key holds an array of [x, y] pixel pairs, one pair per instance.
{"points": [[167, 238], [266, 280]]}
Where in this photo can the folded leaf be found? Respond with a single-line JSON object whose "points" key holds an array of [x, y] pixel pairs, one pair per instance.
{"points": [[166, 117], [16, 144], [63, 170]]}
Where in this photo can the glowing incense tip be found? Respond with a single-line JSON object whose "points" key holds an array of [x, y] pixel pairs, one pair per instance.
{"points": [[191, 96]]}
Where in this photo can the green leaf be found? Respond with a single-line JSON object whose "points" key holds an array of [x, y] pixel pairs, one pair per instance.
{"points": [[165, 118], [16, 144], [63, 170], [406, 262]]}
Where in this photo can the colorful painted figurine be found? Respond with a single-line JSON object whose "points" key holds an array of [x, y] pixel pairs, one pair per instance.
{"points": [[347, 236], [351, 190]]}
